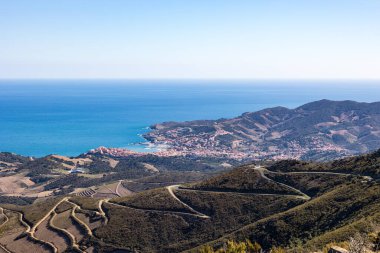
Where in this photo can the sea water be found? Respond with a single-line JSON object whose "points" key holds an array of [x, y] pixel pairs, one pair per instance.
{"points": [[69, 117]]}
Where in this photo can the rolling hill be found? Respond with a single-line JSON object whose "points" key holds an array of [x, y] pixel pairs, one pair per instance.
{"points": [[321, 130], [293, 204]]}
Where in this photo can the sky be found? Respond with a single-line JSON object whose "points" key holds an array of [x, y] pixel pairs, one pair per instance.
{"points": [[190, 39]]}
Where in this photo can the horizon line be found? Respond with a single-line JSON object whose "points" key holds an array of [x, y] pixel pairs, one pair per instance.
{"points": [[185, 79]]}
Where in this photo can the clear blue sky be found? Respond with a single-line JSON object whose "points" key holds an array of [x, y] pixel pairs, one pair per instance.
{"points": [[249, 39]]}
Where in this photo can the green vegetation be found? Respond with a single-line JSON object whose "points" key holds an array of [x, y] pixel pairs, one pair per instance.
{"points": [[53, 172], [63, 207], [332, 210], [343, 233], [20, 201], [98, 165], [12, 158], [146, 231], [33, 213], [85, 202], [12, 223], [40, 167], [230, 211], [311, 184], [236, 247], [157, 199], [170, 232], [243, 179], [266, 207], [365, 165], [165, 178]]}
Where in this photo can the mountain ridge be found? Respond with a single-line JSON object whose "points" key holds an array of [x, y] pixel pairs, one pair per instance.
{"points": [[323, 129]]}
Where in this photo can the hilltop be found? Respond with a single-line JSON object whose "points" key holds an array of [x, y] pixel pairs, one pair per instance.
{"points": [[321, 130]]}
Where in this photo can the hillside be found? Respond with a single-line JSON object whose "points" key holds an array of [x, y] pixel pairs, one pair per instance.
{"points": [[365, 165], [321, 130], [302, 207], [54, 175]]}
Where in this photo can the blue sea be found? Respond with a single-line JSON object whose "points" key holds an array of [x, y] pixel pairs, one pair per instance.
{"points": [[69, 117]]}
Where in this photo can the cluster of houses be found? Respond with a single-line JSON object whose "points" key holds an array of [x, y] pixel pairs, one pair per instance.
{"points": [[77, 169]]}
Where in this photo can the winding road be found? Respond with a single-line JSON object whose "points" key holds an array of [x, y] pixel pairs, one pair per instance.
{"points": [[171, 191], [262, 171], [71, 237], [158, 211], [101, 211], [6, 220], [5, 216], [84, 225], [117, 188], [172, 188], [30, 231]]}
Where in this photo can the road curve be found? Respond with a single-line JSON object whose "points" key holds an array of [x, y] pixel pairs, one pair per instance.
{"points": [[83, 224], [4, 249], [117, 188], [5, 216], [23, 222], [33, 229], [101, 211], [243, 193], [369, 178], [71, 237], [156, 211], [171, 190], [262, 171]]}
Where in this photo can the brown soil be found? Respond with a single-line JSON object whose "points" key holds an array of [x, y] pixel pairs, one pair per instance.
{"points": [[124, 191], [14, 184], [86, 219], [44, 232], [64, 221], [13, 240]]}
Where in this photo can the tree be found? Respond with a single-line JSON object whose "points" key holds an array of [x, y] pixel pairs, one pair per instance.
{"points": [[376, 242], [253, 247], [256, 248], [277, 250], [374, 235], [206, 249], [234, 247]]}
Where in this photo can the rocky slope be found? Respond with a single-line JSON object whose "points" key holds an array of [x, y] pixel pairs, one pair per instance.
{"points": [[321, 130]]}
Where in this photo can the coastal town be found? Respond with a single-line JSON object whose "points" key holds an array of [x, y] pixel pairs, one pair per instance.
{"points": [[307, 133], [209, 146]]}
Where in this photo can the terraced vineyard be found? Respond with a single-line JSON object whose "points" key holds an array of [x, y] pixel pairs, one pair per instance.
{"points": [[248, 202]]}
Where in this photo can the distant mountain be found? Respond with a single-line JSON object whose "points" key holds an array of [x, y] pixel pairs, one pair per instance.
{"points": [[321, 130]]}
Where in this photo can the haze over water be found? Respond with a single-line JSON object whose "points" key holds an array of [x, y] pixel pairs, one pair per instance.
{"points": [[70, 117]]}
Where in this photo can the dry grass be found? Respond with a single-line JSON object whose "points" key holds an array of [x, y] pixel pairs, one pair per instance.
{"points": [[86, 202], [15, 184], [91, 222]]}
